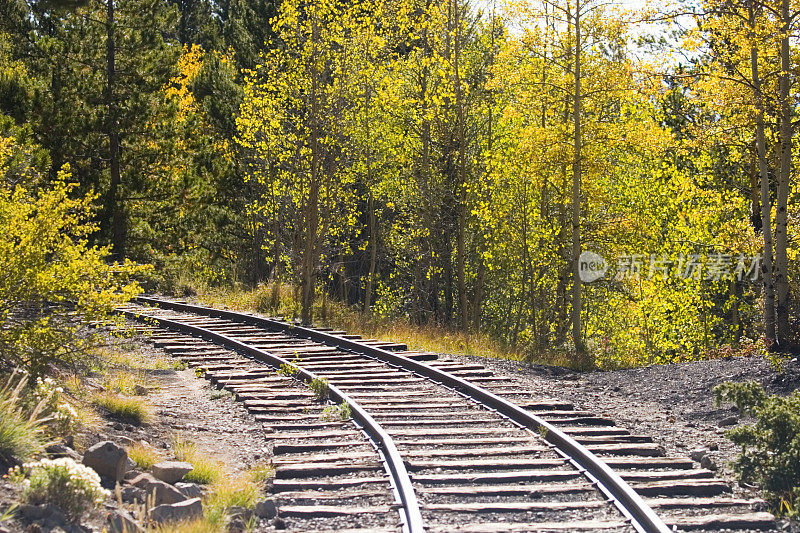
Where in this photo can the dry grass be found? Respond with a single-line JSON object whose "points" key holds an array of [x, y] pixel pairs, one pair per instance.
{"points": [[144, 455], [227, 491], [22, 432], [125, 408], [128, 357], [206, 470], [124, 382], [431, 338]]}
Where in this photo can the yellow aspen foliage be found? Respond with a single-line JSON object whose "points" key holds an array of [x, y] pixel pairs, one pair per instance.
{"points": [[52, 277]]}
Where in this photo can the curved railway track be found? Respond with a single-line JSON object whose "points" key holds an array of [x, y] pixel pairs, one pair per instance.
{"points": [[431, 444]]}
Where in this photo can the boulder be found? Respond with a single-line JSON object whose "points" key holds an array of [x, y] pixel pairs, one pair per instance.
{"points": [[164, 493], [237, 511], [190, 490], [131, 474], [266, 509], [130, 494], [121, 521], [62, 450], [171, 471], [107, 459], [177, 512], [708, 463]]}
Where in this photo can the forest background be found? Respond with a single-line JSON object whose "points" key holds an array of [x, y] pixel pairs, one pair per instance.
{"points": [[436, 162]]}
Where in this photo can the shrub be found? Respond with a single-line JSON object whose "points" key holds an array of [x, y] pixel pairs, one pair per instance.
{"points": [[770, 456], [131, 410], [336, 412], [21, 432], [62, 416], [320, 388], [52, 277], [72, 487]]}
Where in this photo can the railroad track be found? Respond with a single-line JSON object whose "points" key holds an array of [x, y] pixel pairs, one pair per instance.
{"points": [[432, 444]]}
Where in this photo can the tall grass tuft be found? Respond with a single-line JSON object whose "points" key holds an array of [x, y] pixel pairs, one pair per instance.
{"points": [[144, 455], [22, 433], [206, 470], [127, 409]]}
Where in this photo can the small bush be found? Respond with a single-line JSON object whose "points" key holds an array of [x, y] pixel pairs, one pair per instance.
{"points": [[320, 388], [143, 455], [70, 486], [206, 470], [21, 432], [62, 416], [336, 412], [287, 370], [131, 410], [53, 278], [770, 456]]}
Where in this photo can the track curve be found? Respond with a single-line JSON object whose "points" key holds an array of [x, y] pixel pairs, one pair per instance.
{"points": [[439, 417]]}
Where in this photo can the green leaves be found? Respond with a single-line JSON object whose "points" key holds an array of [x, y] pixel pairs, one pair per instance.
{"points": [[770, 456], [51, 275]]}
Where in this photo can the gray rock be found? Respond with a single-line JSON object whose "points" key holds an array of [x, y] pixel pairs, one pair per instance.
{"points": [[236, 525], [171, 471], [121, 521], [238, 511], [130, 474], [177, 512], [190, 490], [34, 512], [163, 493], [729, 421], [697, 454], [708, 463], [107, 459], [266, 509], [130, 494], [62, 450]]}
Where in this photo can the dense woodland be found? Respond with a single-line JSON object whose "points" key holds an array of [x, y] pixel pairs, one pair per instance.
{"points": [[434, 161]]}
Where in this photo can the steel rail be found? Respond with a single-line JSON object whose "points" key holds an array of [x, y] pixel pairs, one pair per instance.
{"points": [[411, 515], [630, 504]]}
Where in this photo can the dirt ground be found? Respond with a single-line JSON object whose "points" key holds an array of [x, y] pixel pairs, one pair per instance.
{"points": [[184, 406]]}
